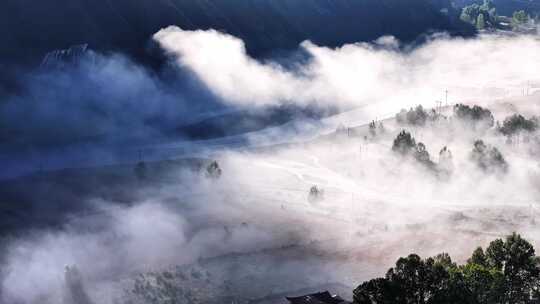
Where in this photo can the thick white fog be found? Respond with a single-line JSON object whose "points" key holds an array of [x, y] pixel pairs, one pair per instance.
{"points": [[255, 231], [379, 74]]}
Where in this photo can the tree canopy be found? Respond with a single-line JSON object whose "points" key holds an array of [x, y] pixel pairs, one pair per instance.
{"points": [[475, 115], [488, 158], [506, 272], [480, 15], [517, 123], [520, 17], [404, 143], [417, 116]]}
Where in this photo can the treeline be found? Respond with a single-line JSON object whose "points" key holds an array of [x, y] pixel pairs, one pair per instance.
{"points": [[487, 158], [507, 271], [483, 15], [476, 117]]}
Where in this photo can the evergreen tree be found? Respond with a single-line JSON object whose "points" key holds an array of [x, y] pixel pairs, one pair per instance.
{"points": [[480, 22], [520, 17], [446, 164], [404, 143], [488, 158]]}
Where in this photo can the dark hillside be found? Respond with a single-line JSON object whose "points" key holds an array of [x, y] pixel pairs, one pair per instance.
{"points": [[30, 29]]}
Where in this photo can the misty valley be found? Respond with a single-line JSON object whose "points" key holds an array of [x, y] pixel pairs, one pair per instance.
{"points": [[201, 152]]}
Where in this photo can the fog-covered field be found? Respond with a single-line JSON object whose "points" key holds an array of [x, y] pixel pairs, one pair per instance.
{"points": [[177, 231]]}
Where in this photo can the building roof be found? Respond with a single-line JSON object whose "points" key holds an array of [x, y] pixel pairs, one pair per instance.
{"points": [[316, 298]]}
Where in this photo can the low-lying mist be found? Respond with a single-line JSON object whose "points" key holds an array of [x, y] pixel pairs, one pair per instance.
{"points": [[336, 209]]}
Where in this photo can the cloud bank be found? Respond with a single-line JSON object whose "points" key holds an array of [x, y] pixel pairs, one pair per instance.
{"points": [[381, 74], [259, 210]]}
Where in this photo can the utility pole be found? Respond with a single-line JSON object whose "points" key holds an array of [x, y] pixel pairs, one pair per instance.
{"points": [[446, 97]]}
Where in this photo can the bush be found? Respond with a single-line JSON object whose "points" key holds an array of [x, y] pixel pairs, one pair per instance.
{"points": [[315, 194]]}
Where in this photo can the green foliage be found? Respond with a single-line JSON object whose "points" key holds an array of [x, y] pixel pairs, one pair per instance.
{"points": [[480, 22], [520, 17], [470, 13], [485, 284], [482, 16], [508, 272], [517, 123], [478, 257], [414, 280]]}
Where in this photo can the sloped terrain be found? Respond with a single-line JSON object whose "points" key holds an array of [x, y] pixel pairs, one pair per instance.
{"points": [[31, 29]]}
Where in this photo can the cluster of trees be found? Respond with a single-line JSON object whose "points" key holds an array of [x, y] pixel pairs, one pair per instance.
{"points": [[405, 145], [520, 17], [488, 158], [516, 124], [506, 272], [475, 115], [482, 16], [417, 116]]}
